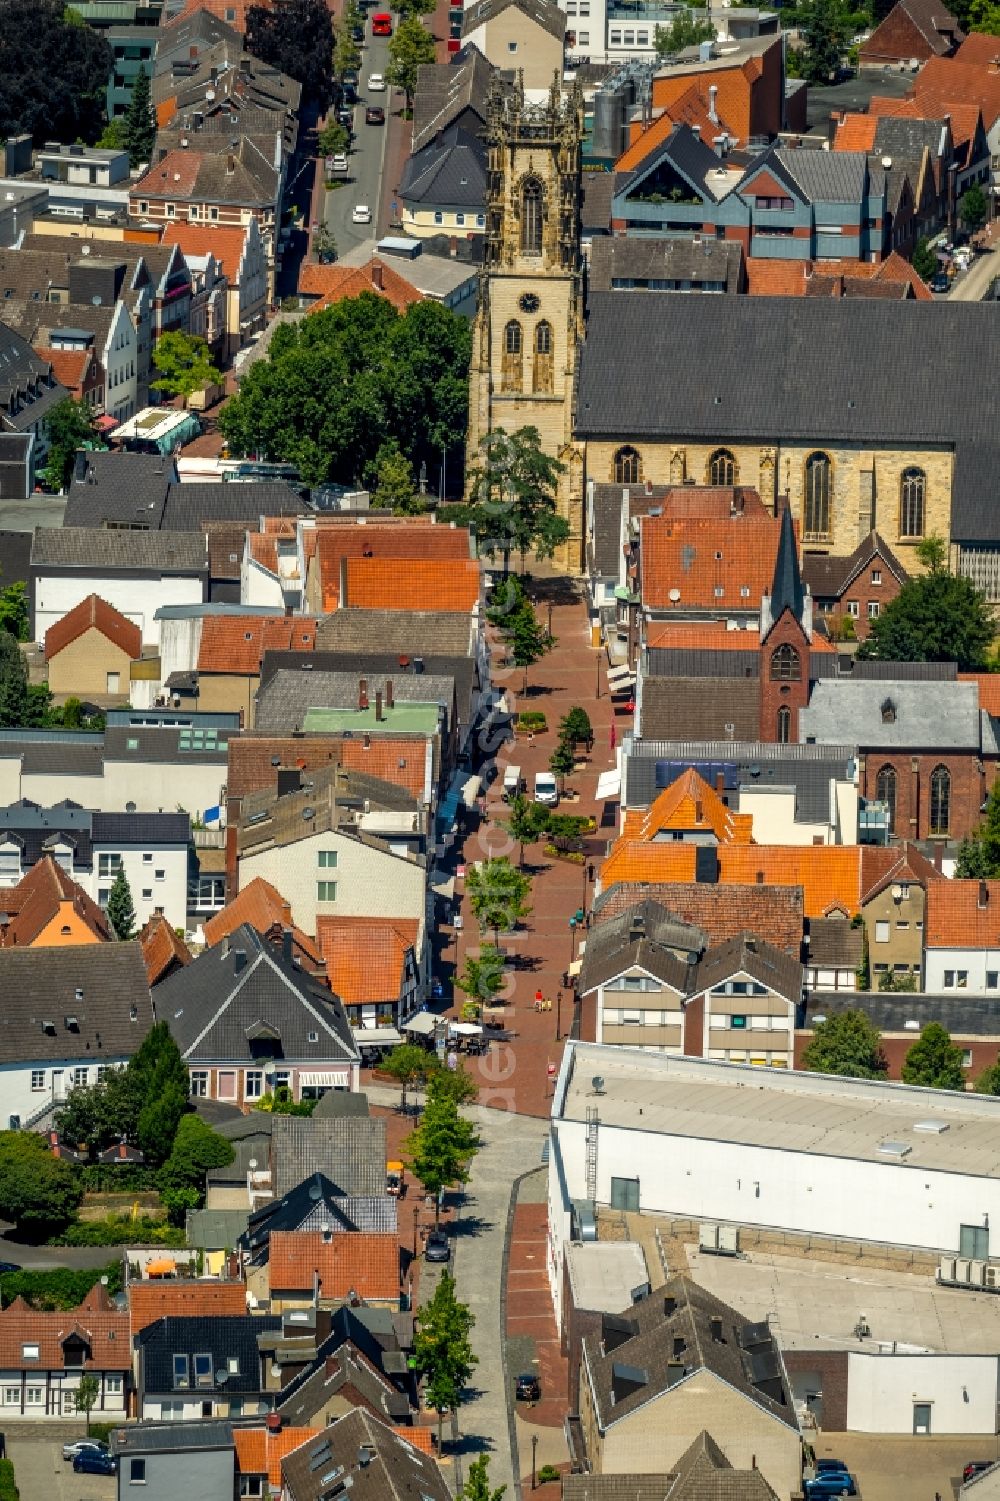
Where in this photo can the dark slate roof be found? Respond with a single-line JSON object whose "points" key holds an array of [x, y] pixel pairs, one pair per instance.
{"points": [[749, 955], [963, 1015], [702, 1473], [897, 135], [828, 576], [823, 371], [646, 935], [662, 258], [336, 1104], [445, 91], [701, 708], [140, 828], [159, 743], [223, 1337], [404, 632], [112, 551], [314, 1202], [834, 943], [350, 1151], [686, 152], [786, 589], [171, 1438], [450, 169], [37, 829], [608, 500], [595, 210], [42, 752], [40, 985], [15, 552], [807, 768], [826, 176], [191, 506], [128, 487], [395, 1471], [544, 13], [641, 1343], [307, 1396], [212, 1004], [27, 390]]}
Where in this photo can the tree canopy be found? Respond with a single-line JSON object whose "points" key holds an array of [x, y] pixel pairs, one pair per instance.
{"points": [[847, 1044], [184, 364], [973, 209], [925, 262], [935, 617], [296, 36], [442, 1146], [121, 912], [139, 127], [411, 47], [196, 1148], [512, 491], [37, 1191], [442, 1349], [477, 1485], [498, 894], [979, 852], [142, 1103], [934, 1061], [825, 35], [683, 31], [989, 1080], [53, 74], [343, 382], [70, 425]]}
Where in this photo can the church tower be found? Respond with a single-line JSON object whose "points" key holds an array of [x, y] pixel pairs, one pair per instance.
{"points": [[529, 323], [786, 631]]}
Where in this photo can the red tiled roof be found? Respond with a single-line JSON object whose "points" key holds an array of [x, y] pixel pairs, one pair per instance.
{"points": [[334, 284], [149, 1301], [979, 47], [774, 278], [251, 769], [957, 915], [701, 558], [420, 1438], [176, 173], [162, 949], [225, 243], [259, 1451], [365, 955], [450, 585], [856, 133], [237, 643], [989, 689], [105, 1331], [828, 874], [689, 108], [688, 805], [69, 366], [414, 543], [714, 635], [36, 901], [358, 1261], [93, 613], [774, 913], [219, 8], [262, 907], [885, 863], [951, 82]]}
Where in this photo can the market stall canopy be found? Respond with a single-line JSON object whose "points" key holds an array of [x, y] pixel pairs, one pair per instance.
{"points": [[609, 784], [424, 1024], [377, 1037]]}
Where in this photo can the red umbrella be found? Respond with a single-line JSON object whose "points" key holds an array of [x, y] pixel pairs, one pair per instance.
{"points": [[614, 735]]}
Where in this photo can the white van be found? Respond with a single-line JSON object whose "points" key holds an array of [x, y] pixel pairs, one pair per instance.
{"points": [[546, 789], [513, 783]]}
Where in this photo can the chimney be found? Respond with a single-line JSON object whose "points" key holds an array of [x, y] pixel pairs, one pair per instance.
{"points": [[273, 1422], [453, 247], [984, 895], [157, 911], [239, 960], [698, 811], [716, 1327], [675, 1372], [342, 602], [388, 693], [377, 275], [713, 94], [230, 164], [286, 944], [378, 704], [363, 694], [720, 782]]}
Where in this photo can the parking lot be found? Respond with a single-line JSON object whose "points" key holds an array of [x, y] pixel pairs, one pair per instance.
{"points": [[42, 1474], [888, 1467]]}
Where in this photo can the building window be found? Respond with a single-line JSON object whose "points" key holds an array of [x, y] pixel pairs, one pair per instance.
{"points": [[885, 792], [80, 1076], [873, 609], [817, 498], [722, 468], [853, 608], [949, 979], [876, 576], [38, 1078], [940, 800], [181, 1376], [199, 1084], [326, 891], [784, 725], [108, 865], [511, 376], [137, 1472], [253, 1085], [328, 859], [911, 503], [966, 1057], [628, 466], [113, 1385], [625, 1194], [992, 977], [786, 666], [531, 217], [33, 1396], [882, 932], [543, 357], [29, 1352]]}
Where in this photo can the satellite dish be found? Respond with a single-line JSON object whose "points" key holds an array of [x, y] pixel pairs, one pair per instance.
{"points": [[674, 595], [308, 813], [598, 1083], [315, 1192], [220, 1377], [897, 893]]}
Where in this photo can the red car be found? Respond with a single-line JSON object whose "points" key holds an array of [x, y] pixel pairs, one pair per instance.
{"points": [[381, 23]]}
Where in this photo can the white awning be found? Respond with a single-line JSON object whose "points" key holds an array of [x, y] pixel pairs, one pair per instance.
{"points": [[330, 1079], [575, 967], [423, 1024], [616, 673], [377, 1037], [609, 784], [464, 1029], [443, 886], [471, 789]]}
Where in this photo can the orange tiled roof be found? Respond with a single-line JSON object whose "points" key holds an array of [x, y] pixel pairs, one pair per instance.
{"points": [[176, 174], [979, 47], [722, 912], [341, 282], [420, 1438], [93, 613], [956, 916], [69, 366], [36, 901], [259, 1451], [828, 874], [416, 542], [166, 109], [450, 585], [149, 1301], [895, 268], [856, 133], [225, 243], [105, 1330], [949, 82], [162, 948], [237, 643], [774, 278], [699, 558], [261, 906], [233, 12], [885, 863], [359, 1261], [250, 766], [989, 689], [690, 805], [365, 955]]}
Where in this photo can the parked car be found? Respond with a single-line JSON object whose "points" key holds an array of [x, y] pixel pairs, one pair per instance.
{"points": [[975, 1467], [527, 1388], [546, 789], [345, 116], [358, 35], [374, 115], [338, 162], [830, 1483], [939, 282], [362, 214], [822, 1466], [94, 1462], [9, 1266], [376, 83], [437, 1247], [78, 1445]]}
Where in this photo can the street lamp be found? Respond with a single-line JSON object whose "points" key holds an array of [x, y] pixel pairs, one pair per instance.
{"points": [[572, 939], [534, 1447], [597, 686], [416, 1216], [558, 1015]]}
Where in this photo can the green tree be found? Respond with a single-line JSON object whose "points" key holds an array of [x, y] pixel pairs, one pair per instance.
{"points": [[121, 912], [410, 47], [973, 208], [196, 1149], [324, 243], [70, 426], [38, 1192], [185, 365], [333, 137], [296, 36], [440, 1149], [512, 493], [527, 641], [934, 1061], [889, 980], [337, 385], [346, 52], [978, 15], [925, 262], [159, 1076], [682, 32], [846, 1044], [416, 8], [13, 684], [576, 727], [442, 1350], [989, 1080], [86, 1395], [477, 1484], [456, 1084], [498, 895], [395, 490], [935, 617], [528, 821], [59, 1288], [409, 1065], [825, 36], [112, 137], [562, 761], [53, 75], [482, 977], [140, 122], [14, 616]]}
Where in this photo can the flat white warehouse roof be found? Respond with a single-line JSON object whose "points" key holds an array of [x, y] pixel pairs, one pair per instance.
{"points": [[786, 1111]]}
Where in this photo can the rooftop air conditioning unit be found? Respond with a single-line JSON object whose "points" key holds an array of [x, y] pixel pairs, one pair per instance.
{"points": [[946, 1269]]}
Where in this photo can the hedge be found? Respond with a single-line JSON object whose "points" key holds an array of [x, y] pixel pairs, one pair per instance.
{"points": [[119, 1231], [8, 1490]]}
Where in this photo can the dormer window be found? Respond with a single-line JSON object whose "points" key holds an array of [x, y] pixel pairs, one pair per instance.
{"points": [[30, 1352], [888, 711], [182, 1375], [203, 1370]]}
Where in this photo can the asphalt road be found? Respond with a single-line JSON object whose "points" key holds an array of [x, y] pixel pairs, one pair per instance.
{"points": [[973, 286], [367, 157]]}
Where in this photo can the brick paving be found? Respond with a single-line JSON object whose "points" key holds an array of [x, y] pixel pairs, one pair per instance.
{"points": [[531, 1325]]}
